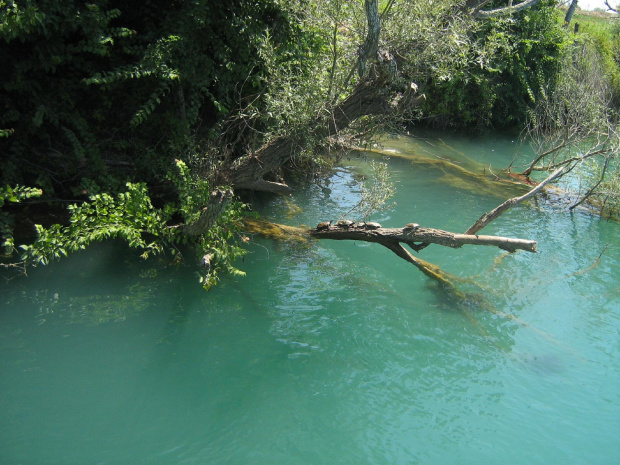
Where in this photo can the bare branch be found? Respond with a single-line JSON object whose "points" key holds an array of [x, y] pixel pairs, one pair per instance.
{"points": [[568, 161], [417, 238], [594, 187], [615, 10], [488, 217], [504, 11], [532, 166]]}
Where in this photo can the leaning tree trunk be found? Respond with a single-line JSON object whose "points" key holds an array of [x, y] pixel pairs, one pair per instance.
{"points": [[370, 97]]}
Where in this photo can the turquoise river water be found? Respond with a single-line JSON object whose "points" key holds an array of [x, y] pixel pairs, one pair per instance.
{"points": [[330, 352]]}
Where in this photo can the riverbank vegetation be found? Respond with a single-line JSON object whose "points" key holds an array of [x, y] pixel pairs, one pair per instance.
{"points": [[149, 120]]}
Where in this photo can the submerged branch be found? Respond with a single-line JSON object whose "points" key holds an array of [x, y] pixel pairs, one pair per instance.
{"points": [[430, 270], [594, 187], [596, 263]]}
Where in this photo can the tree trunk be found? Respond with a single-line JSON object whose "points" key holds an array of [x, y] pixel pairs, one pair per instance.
{"points": [[209, 215], [570, 12], [249, 171], [369, 50], [368, 98]]}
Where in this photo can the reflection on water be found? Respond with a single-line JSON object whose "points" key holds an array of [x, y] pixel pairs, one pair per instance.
{"points": [[336, 352]]}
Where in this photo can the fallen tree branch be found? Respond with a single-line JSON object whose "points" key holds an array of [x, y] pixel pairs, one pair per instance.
{"points": [[391, 238], [417, 238]]}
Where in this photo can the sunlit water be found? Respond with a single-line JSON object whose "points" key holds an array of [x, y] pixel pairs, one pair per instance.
{"points": [[329, 352]]}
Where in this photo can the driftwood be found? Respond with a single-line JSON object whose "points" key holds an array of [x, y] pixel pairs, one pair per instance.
{"points": [[418, 238]]}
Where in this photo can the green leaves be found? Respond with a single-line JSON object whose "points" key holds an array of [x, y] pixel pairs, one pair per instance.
{"points": [[17, 194], [129, 216], [149, 106], [10, 194], [220, 242], [506, 66], [375, 192]]}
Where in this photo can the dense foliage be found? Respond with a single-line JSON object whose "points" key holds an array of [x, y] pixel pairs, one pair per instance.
{"points": [[99, 100], [510, 63], [94, 95]]}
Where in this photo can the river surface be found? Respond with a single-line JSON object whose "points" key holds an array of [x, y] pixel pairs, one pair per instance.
{"points": [[330, 352]]}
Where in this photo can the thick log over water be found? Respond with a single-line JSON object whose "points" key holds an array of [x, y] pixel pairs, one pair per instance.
{"points": [[419, 237]]}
